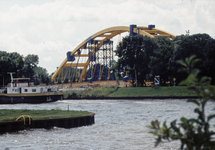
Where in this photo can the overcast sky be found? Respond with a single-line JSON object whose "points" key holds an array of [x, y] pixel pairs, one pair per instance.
{"points": [[50, 28]]}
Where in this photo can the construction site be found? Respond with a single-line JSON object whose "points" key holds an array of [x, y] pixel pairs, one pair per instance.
{"points": [[90, 63]]}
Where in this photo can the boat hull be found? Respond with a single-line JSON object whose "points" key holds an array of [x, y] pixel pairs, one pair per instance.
{"points": [[30, 98]]}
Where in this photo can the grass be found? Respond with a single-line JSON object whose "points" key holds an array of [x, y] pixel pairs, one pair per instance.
{"points": [[91, 93], [13, 114], [130, 92], [151, 91]]}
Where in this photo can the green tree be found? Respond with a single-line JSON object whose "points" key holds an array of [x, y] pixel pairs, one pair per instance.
{"points": [[134, 55], [161, 60], [30, 63], [27, 66], [194, 133], [201, 45], [7, 64], [18, 60], [209, 60], [174, 66], [41, 75]]}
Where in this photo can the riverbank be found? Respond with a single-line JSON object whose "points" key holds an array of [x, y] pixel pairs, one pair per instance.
{"points": [[131, 93]]}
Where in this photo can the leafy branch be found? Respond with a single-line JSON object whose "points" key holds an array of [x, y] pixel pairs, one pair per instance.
{"points": [[193, 133]]}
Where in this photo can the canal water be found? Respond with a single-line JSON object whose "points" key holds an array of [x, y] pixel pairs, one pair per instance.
{"points": [[119, 124]]}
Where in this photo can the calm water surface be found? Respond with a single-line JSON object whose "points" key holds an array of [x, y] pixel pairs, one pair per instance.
{"points": [[119, 124]]}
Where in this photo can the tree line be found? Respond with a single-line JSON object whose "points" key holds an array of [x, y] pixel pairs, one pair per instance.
{"points": [[157, 56], [21, 67], [140, 55]]}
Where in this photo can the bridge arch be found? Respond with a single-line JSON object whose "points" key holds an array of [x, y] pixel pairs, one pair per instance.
{"points": [[96, 43]]}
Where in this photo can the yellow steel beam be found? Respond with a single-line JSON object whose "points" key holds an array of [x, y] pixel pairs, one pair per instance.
{"points": [[84, 70], [58, 69], [164, 32], [82, 55], [112, 31], [74, 65], [151, 31], [142, 32]]}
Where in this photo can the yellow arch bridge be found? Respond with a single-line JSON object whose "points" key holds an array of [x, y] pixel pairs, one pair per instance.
{"points": [[93, 58]]}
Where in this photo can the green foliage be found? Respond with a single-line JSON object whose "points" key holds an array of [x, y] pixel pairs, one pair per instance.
{"points": [[188, 64], [193, 133], [41, 75], [160, 61], [151, 91], [101, 92], [10, 62], [22, 66], [115, 91], [157, 56], [134, 54], [201, 45], [69, 94], [31, 62]]}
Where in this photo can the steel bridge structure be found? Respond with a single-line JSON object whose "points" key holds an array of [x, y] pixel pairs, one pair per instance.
{"points": [[94, 56]]}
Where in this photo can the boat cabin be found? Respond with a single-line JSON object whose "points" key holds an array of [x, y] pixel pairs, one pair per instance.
{"points": [[22, 82], [24, 86]]}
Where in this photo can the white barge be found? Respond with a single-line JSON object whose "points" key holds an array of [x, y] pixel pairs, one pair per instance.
{"points": [[21, 90]]}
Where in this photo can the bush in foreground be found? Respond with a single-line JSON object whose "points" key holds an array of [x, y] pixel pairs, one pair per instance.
{"points": [[194, 133]]}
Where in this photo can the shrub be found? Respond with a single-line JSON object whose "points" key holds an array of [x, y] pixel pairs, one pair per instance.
{"points": [[193, 133]]}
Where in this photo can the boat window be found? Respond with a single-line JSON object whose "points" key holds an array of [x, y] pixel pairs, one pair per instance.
{"points": [[26, 90], [34, 90], [49, 90]]}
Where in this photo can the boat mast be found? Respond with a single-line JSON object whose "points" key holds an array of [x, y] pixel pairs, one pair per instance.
{"points": [[11, 75]]}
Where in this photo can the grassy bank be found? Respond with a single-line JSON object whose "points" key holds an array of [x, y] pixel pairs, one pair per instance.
{"points": [[13, 114], [151, 91], [129, 92], [90, 93]]}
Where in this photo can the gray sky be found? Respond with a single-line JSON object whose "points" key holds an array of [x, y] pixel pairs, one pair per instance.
{"points": [[50, 28]]}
